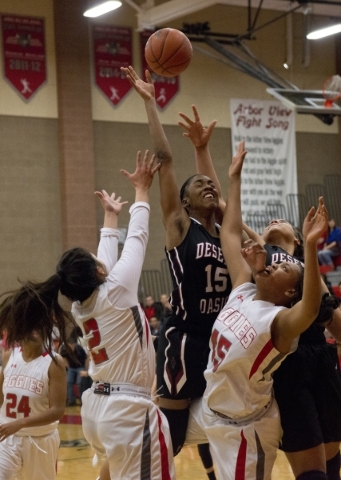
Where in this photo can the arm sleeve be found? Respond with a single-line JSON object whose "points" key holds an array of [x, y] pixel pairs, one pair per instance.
{"points": [[123, 280], [107, 250]]}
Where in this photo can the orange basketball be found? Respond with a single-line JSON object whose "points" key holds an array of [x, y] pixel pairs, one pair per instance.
{"points": [[168, 52]]}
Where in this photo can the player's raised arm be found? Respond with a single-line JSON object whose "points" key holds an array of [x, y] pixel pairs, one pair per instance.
{"points": [[107, 250], [175, 219], [288, 324], [232, 227], [200, 137]]}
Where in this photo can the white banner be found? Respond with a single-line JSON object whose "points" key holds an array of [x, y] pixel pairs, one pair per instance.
{"points": [[269, 171]]}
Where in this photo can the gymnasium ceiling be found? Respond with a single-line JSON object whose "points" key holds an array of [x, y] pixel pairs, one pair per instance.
{"points": [[153, 13]]}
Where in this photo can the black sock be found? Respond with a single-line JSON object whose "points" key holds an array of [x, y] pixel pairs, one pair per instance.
{"points": [[206, 458], [333, 467], [178, 420], [312, 475], [205, 455]]}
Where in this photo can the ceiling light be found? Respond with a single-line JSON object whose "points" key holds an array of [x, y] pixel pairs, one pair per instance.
{"points": [[102, 8], [324, 32], [286, 66]]}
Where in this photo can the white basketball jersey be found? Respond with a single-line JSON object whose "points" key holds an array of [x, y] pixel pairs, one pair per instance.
{"points": [[242, 358], [119, 340], [26, 391]]}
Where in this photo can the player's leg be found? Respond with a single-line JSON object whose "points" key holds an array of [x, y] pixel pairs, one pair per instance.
{"points": [[302, 439], [161, 452], [206, 459], [332, 450], [170, 369], [181, 361], [327, 395], [10, 457], [307, 460], [39, 457], [247, 450], [136, 438]]}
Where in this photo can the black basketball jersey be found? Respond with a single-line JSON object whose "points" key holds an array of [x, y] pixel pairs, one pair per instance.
{"points": [[200, 279], [276, 254], [315, 333]]}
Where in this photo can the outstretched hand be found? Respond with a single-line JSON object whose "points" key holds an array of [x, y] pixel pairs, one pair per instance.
{"points": [[109, 203], [237, 161], [145, 89], [142, 178], [315, 223], [195, 131], [254, 255]]}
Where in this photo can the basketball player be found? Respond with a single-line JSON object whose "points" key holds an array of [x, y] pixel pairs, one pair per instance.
{"points": [[251, 336], [307, 385], [119, 418], [32, 382], [200, 277]]}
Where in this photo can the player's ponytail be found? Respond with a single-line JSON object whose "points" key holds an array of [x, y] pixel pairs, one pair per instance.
{"points": [[329, 303], [78, 274], [33, 308]]}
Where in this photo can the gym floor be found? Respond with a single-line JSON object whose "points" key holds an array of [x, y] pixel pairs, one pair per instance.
{"points": [[75, 455]]}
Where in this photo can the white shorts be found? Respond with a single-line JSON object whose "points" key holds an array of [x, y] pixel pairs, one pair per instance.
{"points": [[20, 457], [247, 450], [131, 432]]}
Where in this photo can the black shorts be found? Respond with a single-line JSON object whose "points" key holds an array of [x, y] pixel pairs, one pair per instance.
{"points": [[181, 362], [308, 391]]}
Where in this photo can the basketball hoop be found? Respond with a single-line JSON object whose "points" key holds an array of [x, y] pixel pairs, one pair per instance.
{"points": [[331, 90]]}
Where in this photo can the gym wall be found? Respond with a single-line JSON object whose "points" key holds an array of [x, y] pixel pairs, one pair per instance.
{"points": [[31, 206]]}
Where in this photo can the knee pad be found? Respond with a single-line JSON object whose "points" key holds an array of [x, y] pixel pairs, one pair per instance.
{"points": [[205, 455], [178, 420], [333, 467], [312, 475]]}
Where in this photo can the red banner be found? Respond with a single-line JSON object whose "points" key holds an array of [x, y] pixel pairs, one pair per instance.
{"points": [[23, 41], [165, 87], [112, 50]]}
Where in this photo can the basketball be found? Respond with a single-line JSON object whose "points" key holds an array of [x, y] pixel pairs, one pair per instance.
{"points": [[168, 52]]}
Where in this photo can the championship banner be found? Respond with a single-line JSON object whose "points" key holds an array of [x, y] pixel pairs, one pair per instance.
{"points": [[112, 47], [165, 87], [269, 172], [23, 43]]}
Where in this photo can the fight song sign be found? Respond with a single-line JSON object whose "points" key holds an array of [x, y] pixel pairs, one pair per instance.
{"points": [[112, 47], [269, 171], [165, 87], [23, 43]]}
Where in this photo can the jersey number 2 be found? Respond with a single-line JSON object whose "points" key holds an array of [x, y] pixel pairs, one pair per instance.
{"points": [[220, 347], [91, 326], [23, 406]]}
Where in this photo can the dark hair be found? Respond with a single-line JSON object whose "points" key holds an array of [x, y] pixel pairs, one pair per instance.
{"points": [[78, 274], [329, 303], [299, 249], [299, 286], [183, 189], [33, 307]]}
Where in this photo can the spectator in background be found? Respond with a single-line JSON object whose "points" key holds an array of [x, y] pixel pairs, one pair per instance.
{"points": [[166, 307], [75, 364], [337, 291], [332, 246], [154, 323], [152, 308]]}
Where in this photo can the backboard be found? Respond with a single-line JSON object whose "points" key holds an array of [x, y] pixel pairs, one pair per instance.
{"points": [[305, 101]]}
